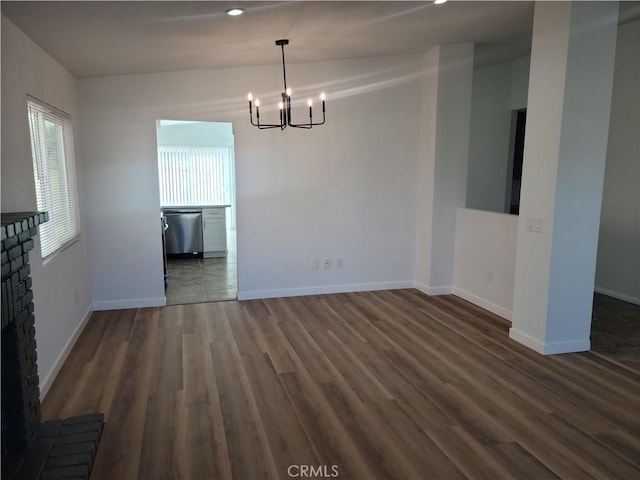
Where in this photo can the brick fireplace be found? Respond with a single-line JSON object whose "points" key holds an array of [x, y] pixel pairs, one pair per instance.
{"points": [[56, 449]]}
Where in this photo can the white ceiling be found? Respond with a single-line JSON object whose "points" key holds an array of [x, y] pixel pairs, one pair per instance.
{"points": [[122, 37]]}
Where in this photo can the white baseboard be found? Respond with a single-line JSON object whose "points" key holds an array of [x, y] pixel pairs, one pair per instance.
{"points": [[551, 348], [481, 302], [620, 296], [46, 383], [130, 303], [321, 290], [433, 290]]}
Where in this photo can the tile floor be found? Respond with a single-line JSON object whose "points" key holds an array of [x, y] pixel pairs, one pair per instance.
{"points": [[196, 280], [615, 330]]}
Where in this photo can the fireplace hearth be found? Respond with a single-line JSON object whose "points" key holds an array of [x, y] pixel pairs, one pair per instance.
{"points": [[56, 449]]}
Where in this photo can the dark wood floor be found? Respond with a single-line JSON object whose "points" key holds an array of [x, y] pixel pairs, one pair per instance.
{"points": [[390, 384]]}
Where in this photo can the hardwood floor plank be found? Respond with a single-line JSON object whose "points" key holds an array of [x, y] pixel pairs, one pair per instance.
{"points": [[287, 440], [607, 384], [625, 446], [243, 426], [588, 453], [467, 454], [390, 384], [109, 359], [160, 438], [623, 415], [417, 447], [58, 399], [548, 449], [336, 354], [377, 444], [519, 463], [330, 438], [121, 456], [120, 326]]}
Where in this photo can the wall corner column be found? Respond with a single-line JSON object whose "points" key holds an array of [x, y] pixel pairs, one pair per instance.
{"points": [[445, 114], [570, 85]]}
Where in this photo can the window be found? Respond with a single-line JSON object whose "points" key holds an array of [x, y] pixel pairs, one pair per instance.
{"points": [[53, 170], [196, 175]]}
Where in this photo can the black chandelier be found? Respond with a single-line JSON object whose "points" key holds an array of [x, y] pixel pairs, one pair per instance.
{"points": [[284, 105]]}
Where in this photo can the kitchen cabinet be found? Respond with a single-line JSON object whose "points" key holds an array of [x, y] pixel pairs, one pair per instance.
{"points": [[214, 232]]}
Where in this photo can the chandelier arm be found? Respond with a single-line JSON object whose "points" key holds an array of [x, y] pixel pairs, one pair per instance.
{"points": [[309, 125], [264, 126]]}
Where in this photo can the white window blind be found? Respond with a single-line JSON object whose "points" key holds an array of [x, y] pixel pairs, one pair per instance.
{"points": [[196, 175], [54, 173]]}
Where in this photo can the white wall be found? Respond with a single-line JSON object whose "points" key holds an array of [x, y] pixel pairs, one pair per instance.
{"points": [[485, 259], [346, 189], [62, 296], [497, 91], [618, 266], [519, 72]]}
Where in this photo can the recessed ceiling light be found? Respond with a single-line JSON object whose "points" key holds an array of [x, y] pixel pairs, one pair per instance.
{"points": [[234, 12], [439, 2]]}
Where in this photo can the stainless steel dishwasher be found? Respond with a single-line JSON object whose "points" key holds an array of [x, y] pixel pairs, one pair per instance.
{"points": [[184, 231]]}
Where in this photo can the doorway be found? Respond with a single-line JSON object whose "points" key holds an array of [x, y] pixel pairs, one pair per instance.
{"points": [[516, 156], [196, 173]]}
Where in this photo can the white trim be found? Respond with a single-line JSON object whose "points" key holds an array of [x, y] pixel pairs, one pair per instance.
{"points": [[433, 290], [131, 303], [620, 296], [553, 348], [569, 346], [481, 302], [346, 288], [526, 340], [45, 384]]}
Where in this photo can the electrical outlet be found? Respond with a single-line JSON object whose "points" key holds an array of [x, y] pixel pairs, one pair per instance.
{"points": [[327, 263], [529, 224], [490, 277], [538, 224], [339, 262], [315, 264]]}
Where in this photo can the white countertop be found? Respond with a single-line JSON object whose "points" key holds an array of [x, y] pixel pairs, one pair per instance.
{"points": [[196, 207]]}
